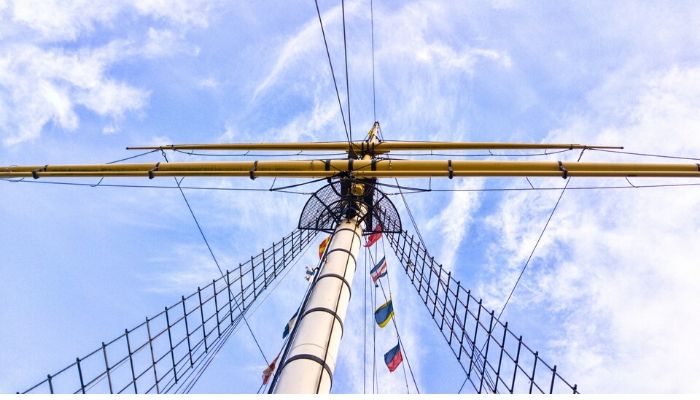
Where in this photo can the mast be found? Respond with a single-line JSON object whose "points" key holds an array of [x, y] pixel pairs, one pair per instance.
{"points": [[311, 353], [311, 356]]}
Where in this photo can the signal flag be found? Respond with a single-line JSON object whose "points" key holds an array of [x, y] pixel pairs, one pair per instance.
{"points": [[384, 314], [374, 236], [322, 247], [393, 358]]}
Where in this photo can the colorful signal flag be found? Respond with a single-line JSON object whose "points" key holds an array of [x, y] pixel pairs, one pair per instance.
{"points": [[374, 236], [379, 270], [384, 314], [322, 247], [267, 373], [393, 358], [290, 325]]}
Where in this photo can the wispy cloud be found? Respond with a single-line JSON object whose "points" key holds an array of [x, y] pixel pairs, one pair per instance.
{"points": [[452, 224], [614, 267], [45, 83]]}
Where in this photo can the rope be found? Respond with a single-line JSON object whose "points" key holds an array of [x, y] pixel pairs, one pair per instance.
{"points": [[522, 271], [534, 248], [462, 386], [647, 154], [335, 83], [218, 266], [374, 93], [410, 214], [154, 186], [364, 332], [401, 347], [233, 327], [393, 320], [347, 77], [120, 160], [535, 189], [248, 154], [374, 341], [209, 359], [489, 154], [132, 157], [281, 188]]}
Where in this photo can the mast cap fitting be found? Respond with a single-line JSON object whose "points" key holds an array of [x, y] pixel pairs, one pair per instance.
{"points": [[358, 189]]}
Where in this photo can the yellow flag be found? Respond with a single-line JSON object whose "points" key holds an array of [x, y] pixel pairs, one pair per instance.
{"points": [[322, 247]]}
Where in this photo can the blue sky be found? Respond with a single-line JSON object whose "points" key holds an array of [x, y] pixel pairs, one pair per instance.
{"points": [[610, 296]]}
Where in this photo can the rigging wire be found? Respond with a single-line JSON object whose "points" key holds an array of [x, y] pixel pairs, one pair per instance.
{"points": [[262, 301], [248, 154], [396, 327], [462, 387], [410, 214], [393, 320], [401, 347], [536, 189], [190, 373], [374, 336], [424, 245], [285, 343], [489, 154], [273, 189], [529, 258], [646, 154], [335, 83], [132, 157], [408, 190], [374, 93], [218, 266], [364, 332], [527, 262], [124, 159], [347, 77], [206, 241], [130, 186], [209, 359], [375, 307]]}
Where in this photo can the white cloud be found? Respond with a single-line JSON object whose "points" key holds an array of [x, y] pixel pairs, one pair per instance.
{"points": [[452, 224], [45, 83], [423, 79], [208, 83], [615, 267], [293, 49], [164, 42], [189, 265], [181, 12], [54, 20], [45, 86], [416, 22]]}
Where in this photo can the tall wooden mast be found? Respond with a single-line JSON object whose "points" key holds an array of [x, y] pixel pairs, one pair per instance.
{"points": [[311, 355]]}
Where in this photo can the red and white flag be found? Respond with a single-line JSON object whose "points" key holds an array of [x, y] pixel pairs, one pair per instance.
{"points": [[374, 236], [267, 373]]}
